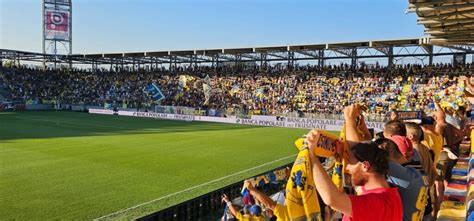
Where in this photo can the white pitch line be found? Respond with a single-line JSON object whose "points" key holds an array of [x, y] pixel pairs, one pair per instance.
{"points": [[194, 187]]}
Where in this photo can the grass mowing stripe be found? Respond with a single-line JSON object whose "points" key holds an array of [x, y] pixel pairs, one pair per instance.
{"points": [[194, 187]]}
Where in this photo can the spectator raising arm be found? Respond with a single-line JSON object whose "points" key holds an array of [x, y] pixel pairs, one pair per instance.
{"points": [[366, 135], [231, 206], [351, 113], [261, 197], [327, 190]]}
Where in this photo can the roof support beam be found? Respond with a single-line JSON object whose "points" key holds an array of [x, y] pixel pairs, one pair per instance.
{"points": [[277, 55], [414, 8], [448, 14], [442, 20], [313, 54], [455, 24]]}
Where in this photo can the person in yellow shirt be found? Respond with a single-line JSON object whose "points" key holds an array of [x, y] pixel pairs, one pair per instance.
{"points": [[432, 138], [255, 211], [280, 211], [434, 141]]}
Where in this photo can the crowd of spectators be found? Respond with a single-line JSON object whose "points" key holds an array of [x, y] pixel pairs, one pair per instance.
{"points": [[399, 174], [252, 90]]}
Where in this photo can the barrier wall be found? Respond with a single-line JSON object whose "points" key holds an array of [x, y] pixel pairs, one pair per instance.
{"points": [[256, 120]]}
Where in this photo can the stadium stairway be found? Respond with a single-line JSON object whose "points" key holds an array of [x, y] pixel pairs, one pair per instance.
{"points": [[458, 201]]}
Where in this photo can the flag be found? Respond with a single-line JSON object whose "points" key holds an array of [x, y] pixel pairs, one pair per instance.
{"points": [[183, 84], [206, 87], [340, 164], [328, 144], [153, 91], [182, 81], [301, 196]]}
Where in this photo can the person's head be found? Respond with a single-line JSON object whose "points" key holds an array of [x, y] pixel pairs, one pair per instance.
{"points": [[428, 123], [404, 145], [391, 147], [394, 127], [365, 162], [414, 133], [255, 210]]}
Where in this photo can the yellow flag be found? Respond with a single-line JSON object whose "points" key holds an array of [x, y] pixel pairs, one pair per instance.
{"points": [[301, 197], [340, 165]]}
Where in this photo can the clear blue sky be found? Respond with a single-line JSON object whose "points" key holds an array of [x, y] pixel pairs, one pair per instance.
{"points": [[152, 25]]}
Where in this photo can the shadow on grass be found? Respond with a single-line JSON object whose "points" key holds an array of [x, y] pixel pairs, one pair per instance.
{"points": [[27, 125]]}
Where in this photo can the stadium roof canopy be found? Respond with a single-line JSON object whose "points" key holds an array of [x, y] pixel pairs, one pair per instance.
{"points": [[390, 49], [448, 22]]}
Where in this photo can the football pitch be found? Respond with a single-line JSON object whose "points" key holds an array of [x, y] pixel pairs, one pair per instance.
{"points": [[66, 165]]}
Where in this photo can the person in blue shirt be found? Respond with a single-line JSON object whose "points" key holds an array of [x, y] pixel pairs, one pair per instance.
{"points": [[412, 186]]}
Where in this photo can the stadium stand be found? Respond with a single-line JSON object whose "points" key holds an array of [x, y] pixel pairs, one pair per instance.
{"points": [[307, 90]]}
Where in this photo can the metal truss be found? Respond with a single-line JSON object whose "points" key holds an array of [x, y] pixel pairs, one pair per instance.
{"points": [[353, 51]]}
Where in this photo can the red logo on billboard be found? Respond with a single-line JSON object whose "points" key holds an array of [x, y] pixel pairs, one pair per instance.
{"points": [[57, 21]]}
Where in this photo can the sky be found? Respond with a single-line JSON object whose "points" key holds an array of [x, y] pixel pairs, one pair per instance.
{"points": [[107, 26]]}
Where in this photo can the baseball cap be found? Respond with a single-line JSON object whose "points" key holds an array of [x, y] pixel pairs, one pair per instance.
{"points": [[404, 144]]}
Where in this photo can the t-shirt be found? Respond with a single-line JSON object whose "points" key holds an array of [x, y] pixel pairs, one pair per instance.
{"points": [[241, 217], [434, 142], [376, 204], [281, 212], [412, 187], [415, 162]]}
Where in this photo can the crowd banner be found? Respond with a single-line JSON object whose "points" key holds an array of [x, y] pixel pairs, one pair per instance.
{"points": [[229, 120], [101, 111], [156, 115], [255, 120], [263, 117]]}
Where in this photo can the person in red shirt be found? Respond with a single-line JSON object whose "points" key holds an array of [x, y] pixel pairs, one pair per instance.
{"points": [[368, 167]]}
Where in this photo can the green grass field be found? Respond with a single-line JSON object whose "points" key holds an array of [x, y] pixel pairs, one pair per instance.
{"points": [[64, 165]]}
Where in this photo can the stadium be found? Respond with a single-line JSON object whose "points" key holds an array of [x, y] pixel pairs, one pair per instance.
{"points": [[281, 132]]}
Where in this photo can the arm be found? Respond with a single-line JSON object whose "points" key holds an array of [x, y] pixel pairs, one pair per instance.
{"points": [[440, 115], [363, 128], [350, 114], [468, 94], [339, 201], [231, 206], [393, 115], [440, 119], [468, 84], [264, 199]]}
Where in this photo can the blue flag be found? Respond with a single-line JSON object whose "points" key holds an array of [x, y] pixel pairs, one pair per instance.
{"points": [[153, 91]]}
